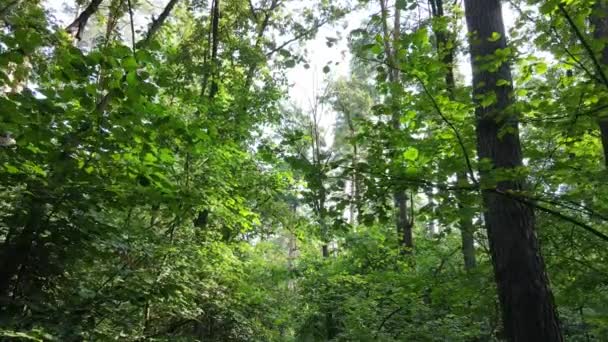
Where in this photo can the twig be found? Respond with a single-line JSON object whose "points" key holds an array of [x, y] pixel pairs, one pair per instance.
{"points": [[132, 26], [297, 37], [386, 319], [553, 212]]}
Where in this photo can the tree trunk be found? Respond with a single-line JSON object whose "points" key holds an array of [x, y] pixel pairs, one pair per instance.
{"points": [[354, 187], [599, 19], [523, 288], [446, 51], [467, 229], [402, 222], [215, 41], [16, 251]]}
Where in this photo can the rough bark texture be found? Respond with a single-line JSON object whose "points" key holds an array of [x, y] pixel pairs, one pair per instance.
{"points": [[599, 19], [527, 303]]}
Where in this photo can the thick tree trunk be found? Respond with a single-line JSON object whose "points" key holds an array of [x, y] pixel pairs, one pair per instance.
{"points": [[599, 19], [523, 288]]}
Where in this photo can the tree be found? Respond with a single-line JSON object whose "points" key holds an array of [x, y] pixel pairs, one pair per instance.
{"points": [[446, 45], [403, 223], [528, 309]]}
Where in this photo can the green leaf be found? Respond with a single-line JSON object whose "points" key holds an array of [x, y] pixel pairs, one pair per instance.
{"points": [[150, 158], [411, 154], [376, 49], [494, 37], [132, 78], [129, 63], [541, 68], [11, 169], [290, 63]]}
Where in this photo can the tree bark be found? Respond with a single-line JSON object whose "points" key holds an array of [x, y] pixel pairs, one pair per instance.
{"points": [[599, 19], [526, 300]]}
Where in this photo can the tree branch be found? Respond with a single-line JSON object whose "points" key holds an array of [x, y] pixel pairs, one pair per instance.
{"points": [[77, 26], [157, 23], [8, 6], [297, 37], [552, 212], [586, 45]]}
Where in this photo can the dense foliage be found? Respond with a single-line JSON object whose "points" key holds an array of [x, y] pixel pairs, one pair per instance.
{"points": [[158, 184]]}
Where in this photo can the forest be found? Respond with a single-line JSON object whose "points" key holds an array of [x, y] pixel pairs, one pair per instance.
{"points": [[317, 170]]}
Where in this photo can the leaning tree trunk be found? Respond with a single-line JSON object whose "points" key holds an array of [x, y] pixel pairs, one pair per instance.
{"points": [[527, 303], [599, 19]]}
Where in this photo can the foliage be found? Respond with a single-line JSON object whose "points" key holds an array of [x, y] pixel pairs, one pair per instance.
{"points": [[166, 190]]}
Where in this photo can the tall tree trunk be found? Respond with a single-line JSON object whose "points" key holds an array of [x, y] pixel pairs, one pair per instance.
{"points": [[215, 41], [402, 222], [599, 19], [446, 51], [16, 251], [354, 187], [467, 229], [528, 309]]}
